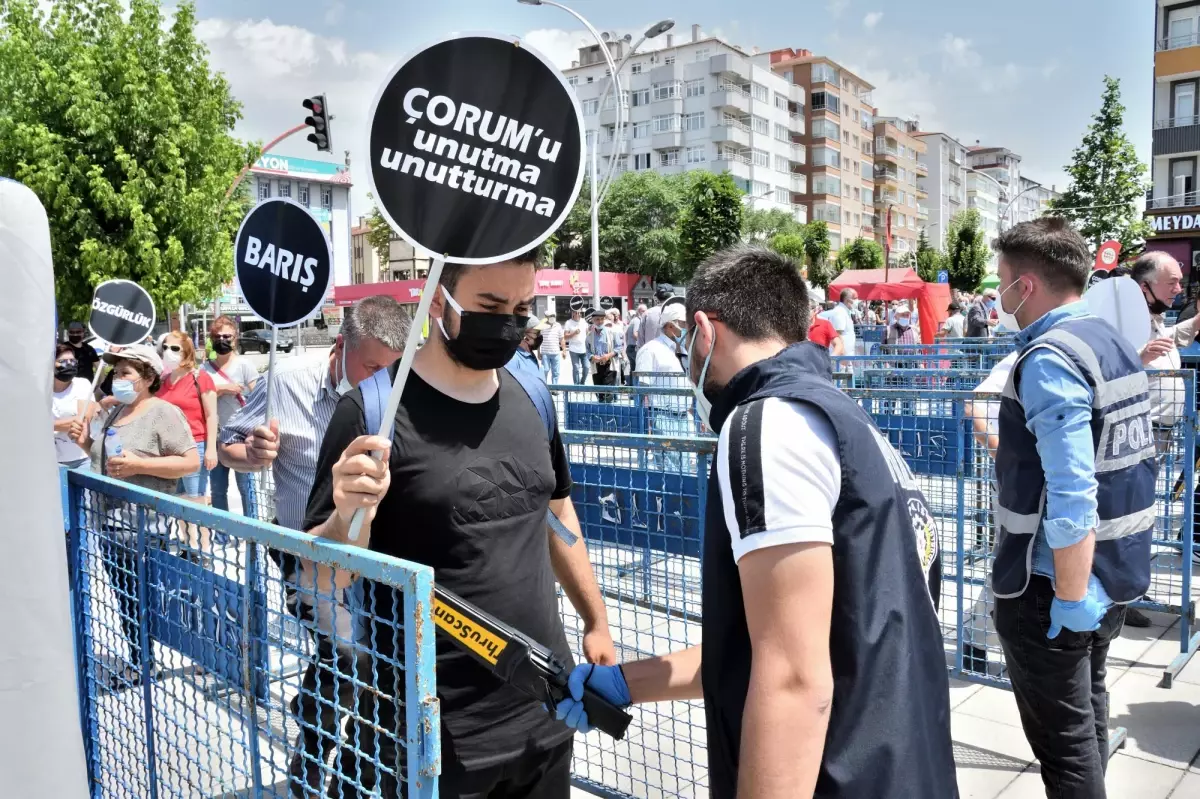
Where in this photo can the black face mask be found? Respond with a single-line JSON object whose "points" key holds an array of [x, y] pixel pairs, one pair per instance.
{"points": [[65, 373], [221, 347], [485, 340], [75, 341], [537, 343]]}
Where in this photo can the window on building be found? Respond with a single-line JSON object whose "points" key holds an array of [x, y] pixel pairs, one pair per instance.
{"points": [[782, 195], [781, 101], [641, 161], [835, 240], [668, 158], [857, 194], [760, 125], [665, 123], [666, 91], [759, 189], [827, 212], [825, 156], [693, 88], [702, 53], [590, 79], [697, 155], [264, 189], [761, 158], [589, 137], [668, 60], [782, 133], [302, 194], [846, 216], [1182, 26], [825, 129], [846, 191], [854, 114], [867, 121], [640, 97], [903, 173], [867, 172], [694, 121], [635, 68], [573, 80], [781, 164], [826, 101], [761, 93], [868, 197], [591, 107], [641, 130], [1183, 102], [824, 73], [826, 184], [1183, 182], [285, 188], [611, 100], [326, 197]]}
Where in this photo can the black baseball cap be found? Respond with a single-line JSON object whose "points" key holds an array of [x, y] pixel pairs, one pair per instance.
{"points": [[954, 306], [664, 291], [75, 326]]}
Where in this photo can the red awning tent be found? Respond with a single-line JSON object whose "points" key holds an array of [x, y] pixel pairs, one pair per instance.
{"points": [[933, 299]]}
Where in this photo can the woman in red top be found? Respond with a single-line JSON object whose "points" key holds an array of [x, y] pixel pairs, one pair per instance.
{"points": [[193, 392], [820, 331]]}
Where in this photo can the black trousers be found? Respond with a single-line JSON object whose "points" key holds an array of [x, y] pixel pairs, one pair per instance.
{"points": [[1060, 691], [631, 356], [604, 376]]}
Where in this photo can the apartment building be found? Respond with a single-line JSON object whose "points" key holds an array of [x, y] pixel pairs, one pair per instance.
{"points": [[699, 104], [985, 196], [943, 180], [1172, 207], [405, 262], [840, 136], [364, 261], [898, 169], [1033, 200]]}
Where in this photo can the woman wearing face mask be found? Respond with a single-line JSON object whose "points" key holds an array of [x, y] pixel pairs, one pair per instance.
{"points": [[233, 378], [156, 449], [192, 392], [71, 398]]}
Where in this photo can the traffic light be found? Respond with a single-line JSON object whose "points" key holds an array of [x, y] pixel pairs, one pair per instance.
{"points": [[319, 122]]}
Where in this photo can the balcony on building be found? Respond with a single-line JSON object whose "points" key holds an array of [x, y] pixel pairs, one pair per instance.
{"points": [[800, 213], [922, 168], [798, 154], [731, 95], [824, 73], [825, 102], [886, 148], [1181, 200], [732, 129], [885, 174], [922, 212], [796, 123], [1180, 134], [736, 162], [799, 183]]}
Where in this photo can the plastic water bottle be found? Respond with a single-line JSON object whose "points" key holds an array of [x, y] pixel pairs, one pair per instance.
{"points": [[112, 443]]}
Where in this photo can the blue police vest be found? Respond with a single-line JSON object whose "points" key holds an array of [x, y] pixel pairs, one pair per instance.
{"points": [[1126, 466], [889, 733]]}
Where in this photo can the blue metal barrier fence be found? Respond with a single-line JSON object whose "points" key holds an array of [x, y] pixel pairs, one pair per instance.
{"points": [[203, 671]]}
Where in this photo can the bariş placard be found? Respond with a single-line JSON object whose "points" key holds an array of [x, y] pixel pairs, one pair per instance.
{"points": [[283, 262], [476, 148], [122, 313]]}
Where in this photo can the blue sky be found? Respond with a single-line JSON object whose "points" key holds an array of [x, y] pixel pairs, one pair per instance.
{"points": [[1025, 74]]}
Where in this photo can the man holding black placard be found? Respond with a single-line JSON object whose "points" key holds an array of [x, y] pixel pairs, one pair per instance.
{"points": [[464, 487]]}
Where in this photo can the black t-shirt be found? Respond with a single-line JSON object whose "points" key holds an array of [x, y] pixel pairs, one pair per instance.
{"points": [[87, 359], [470, 487]]}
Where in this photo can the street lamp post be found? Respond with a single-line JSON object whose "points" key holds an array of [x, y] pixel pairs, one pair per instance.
{"points": [[614, 72]]}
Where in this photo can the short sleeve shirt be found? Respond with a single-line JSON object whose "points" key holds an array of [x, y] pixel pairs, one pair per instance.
{"points": [[821, 332], [184, 394], [158, 431], [238, 370], [65, 405]]}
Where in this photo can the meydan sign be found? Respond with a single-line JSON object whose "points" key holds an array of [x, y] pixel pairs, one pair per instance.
{"points": [[1171, 222]]}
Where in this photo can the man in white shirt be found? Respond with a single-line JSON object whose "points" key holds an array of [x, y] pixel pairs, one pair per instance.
{"points": [[955, 323], [553, 348], [575, 332], [670, 415], [1161, 280], [839, 316]]}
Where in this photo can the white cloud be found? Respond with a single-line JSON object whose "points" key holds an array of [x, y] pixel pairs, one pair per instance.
{"points": [[335, 12], [271, 68], [872, 19], [836, 7], [959, 53]]}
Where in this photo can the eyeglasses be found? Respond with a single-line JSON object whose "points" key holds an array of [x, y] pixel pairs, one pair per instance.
{"points": [[172, 347]]}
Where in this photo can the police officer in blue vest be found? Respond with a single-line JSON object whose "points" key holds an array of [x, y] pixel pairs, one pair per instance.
{"points": [[1076, 471], [822, 668]]}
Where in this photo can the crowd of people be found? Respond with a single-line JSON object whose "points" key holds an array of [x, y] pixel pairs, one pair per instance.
{"points": [[827, 677]]}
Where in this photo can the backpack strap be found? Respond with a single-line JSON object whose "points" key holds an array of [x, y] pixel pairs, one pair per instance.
{"points": [[376, 388]]}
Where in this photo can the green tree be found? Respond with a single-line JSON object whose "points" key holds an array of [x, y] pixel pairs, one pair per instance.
{"points": [[790, 245], [710, 222], [379, 233], [860, 254], [764, 224], [928, 259], [821, 271], [967, 253], [119, 126], [1107, 180], [639, 230]]}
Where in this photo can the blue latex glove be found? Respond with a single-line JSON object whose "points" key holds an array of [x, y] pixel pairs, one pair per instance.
{"points": [[1081, 616], [608, 681]]}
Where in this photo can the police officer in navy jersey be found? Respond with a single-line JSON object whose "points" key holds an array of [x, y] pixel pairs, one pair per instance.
{"points": [[1075, 471], [822, 669]]}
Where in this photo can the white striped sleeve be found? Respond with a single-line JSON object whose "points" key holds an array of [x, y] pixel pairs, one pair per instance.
{"points": [[779, 474]]}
